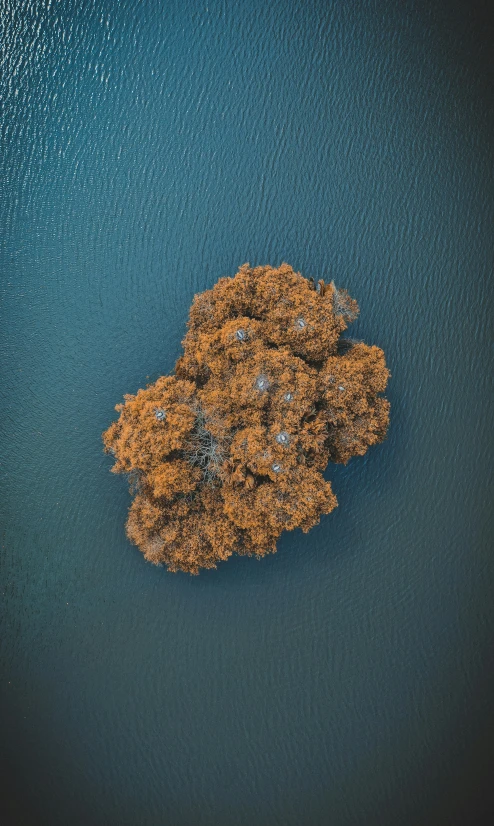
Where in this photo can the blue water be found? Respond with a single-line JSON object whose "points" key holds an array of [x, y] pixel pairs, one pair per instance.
{"points": [[149, 148]]}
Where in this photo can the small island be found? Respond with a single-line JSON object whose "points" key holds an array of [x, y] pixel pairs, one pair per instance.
{"points": [[229, 451]]}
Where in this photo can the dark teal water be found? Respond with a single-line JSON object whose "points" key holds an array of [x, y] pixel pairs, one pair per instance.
{"points": [[147, 149]]}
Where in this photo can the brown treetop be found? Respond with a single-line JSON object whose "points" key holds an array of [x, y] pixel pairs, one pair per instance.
{"points": [[229, 451]]}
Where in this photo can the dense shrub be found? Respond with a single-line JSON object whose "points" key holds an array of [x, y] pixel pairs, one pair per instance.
{"points": [[229, 451]]}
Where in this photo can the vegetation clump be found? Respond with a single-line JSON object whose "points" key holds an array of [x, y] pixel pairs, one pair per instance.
{"points": [[228, 452]]}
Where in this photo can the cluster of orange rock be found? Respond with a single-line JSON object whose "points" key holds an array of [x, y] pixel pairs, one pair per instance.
{"points": [[229, 451]]}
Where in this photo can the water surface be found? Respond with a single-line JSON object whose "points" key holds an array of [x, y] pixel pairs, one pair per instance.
{"points": [[147, 149]]}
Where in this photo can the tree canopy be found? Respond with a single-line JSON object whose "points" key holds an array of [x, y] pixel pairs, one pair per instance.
{"points": [[229, 451]]}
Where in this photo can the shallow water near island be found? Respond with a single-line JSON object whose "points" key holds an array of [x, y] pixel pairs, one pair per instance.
{"points": [[149, 149]]}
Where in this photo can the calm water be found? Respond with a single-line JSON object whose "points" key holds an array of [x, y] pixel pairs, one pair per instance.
{"points": [[147, 149]]}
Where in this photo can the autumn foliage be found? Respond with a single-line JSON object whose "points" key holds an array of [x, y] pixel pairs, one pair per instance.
{"points": [[229, 451]]}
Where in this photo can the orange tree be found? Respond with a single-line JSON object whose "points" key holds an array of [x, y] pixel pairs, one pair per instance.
{"points": [[229, 451]]}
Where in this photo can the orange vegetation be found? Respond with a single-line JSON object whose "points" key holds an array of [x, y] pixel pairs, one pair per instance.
{"points": [[229, 451]]}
